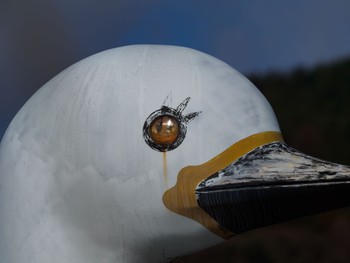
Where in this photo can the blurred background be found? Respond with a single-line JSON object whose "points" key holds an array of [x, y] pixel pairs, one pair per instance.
{"points": [[296, 52]]}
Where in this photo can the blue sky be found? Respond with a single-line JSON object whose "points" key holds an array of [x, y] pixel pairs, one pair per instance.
{"points": [[40, 38]]}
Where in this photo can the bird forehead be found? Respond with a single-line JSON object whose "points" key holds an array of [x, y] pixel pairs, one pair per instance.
{"points": [[100, 104]]}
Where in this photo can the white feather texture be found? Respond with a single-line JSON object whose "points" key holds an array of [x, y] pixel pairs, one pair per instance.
{"points": [[78, 184]]}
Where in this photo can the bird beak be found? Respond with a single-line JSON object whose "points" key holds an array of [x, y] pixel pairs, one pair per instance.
{"points": [[270, 184]]}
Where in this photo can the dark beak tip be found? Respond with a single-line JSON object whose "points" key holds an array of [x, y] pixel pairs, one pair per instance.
{"points": [[250, 202]]}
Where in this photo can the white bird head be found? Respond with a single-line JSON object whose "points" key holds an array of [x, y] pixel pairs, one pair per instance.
{"points": [[91, 168]]}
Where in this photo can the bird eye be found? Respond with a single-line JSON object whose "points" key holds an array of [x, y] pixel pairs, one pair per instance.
{"points": [[166, 128]]}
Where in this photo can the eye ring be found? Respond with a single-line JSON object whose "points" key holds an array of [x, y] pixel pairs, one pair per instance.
{"points": [[164, 129]]}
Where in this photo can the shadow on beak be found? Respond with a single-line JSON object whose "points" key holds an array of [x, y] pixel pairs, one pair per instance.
{"points": [[271, 184]]}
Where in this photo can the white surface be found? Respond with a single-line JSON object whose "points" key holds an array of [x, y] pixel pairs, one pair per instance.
{"points": [[78, 184]]}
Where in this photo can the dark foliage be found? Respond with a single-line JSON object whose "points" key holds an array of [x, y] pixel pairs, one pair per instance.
{"points": [[313, 109]]}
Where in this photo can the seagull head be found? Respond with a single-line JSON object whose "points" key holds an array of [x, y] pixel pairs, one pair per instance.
{"points": [[144, 153]]}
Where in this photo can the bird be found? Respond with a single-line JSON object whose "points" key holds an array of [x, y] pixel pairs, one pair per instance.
{"points": [[145, 153]]}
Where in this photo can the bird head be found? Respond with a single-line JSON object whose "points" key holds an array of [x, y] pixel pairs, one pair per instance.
{"points": [[144, 153]]}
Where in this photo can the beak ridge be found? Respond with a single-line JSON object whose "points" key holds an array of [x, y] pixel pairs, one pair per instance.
{"points": [[271, 184]]}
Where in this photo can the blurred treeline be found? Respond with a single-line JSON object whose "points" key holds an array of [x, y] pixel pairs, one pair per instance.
{"points": [[313, 110]]}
